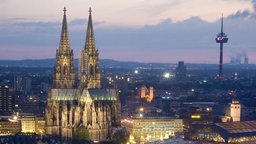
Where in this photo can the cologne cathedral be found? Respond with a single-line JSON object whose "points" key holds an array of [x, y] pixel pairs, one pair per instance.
{"points": [[83, 104]]}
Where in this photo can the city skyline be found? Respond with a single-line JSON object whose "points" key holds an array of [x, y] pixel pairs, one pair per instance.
{"points": [[162, 31]]}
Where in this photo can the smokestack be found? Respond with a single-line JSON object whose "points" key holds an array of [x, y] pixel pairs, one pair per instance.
{"points": [[246, 60]]}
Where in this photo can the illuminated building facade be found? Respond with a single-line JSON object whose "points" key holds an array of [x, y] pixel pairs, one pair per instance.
{"points": [[149, 129], [24, 124], [64, 70], [6, 100], [235, 110], [28, 124], [8, 127], [147, 94], [234, 113], [86, 105], [32, 124], [40, 125], [89, 63]]}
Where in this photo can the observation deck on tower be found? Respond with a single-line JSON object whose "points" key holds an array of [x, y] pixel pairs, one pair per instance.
{"points": [[221, 37]]}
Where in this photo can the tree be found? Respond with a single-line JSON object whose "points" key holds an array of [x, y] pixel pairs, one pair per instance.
{"points": [[120, 137], [80, 136]]}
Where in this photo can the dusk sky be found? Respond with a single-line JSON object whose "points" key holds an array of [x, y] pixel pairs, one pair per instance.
{"points": [[131, 30]]}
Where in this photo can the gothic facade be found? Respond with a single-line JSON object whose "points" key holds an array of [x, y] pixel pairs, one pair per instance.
{"points": [[70, 106]]}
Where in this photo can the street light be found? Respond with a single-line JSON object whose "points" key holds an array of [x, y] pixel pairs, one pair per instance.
{"points": [[167, 75]]}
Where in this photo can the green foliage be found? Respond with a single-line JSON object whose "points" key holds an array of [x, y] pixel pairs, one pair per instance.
{"points": [[120, 137], [80, 136]]}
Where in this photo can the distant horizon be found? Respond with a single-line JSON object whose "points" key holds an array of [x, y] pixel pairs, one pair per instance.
{"points": [[122, 61]]}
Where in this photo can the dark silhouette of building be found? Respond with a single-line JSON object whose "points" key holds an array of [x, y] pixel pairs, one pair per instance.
{"points": [[6, 100], [18, 86], [246, 60], [181, 71]]}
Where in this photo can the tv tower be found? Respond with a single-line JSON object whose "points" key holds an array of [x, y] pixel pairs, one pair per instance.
{"points": [[221, 38]]}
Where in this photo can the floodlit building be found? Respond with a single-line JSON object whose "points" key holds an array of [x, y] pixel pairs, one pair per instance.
{"points": [[235, 110], [28, 124], [24, 124], [147, 94], [149, 129], [9, 127], [40, 125], [87, 105]]}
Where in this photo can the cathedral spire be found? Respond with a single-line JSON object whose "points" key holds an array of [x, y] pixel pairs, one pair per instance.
{"points": [[90, 42], [64, 40], [89, 74], [64, 74]]}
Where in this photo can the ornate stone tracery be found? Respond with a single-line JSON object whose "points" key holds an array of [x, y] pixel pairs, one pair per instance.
{"points": [[70, 107]]}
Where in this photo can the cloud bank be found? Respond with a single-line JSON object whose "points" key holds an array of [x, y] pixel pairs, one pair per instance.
{"points": [[163, 38]]}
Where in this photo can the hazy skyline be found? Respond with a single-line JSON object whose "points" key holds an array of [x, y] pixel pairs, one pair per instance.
{"points": [[135, 30]]}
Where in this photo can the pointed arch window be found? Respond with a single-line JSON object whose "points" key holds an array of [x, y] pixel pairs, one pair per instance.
{"points": [[91, 70], [65, 69]]}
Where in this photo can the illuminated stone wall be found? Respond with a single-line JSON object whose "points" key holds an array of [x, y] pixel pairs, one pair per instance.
{"points": [[64, 117], [70, 106]]}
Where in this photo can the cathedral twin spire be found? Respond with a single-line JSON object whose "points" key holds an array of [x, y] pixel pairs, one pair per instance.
{"points": [[64, 74], [89, 63], [64, 40], [90, 42]]}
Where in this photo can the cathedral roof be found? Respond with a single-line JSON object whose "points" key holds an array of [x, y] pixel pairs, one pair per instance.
{"points": [[65, 94], [85, 95], [70, 94], [103, 94]]}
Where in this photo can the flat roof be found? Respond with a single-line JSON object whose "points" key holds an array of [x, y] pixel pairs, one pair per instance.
{"points": [[235, 129], [238, 127]]}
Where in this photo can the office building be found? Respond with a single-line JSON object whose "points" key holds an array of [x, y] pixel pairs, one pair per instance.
{"points": [[6, 100], [181, 71]]}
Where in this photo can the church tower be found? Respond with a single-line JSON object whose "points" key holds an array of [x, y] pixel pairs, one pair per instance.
{"points": [[64, 74], [89, 74], [235, 110]]}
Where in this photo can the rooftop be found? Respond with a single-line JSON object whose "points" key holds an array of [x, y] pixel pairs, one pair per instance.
{"points": [[238, 127]]}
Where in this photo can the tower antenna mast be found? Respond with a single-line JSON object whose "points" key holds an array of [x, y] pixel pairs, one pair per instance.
{"points": [[221, 38]]}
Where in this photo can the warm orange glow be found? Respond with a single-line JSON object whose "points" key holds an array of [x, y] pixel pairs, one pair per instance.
{"points": [[195, 116]]}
